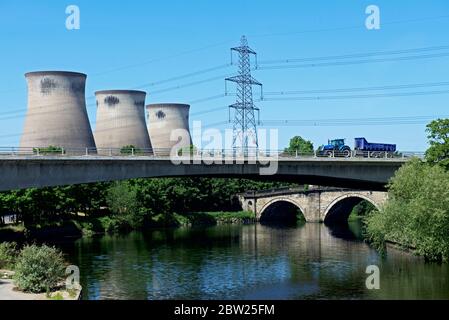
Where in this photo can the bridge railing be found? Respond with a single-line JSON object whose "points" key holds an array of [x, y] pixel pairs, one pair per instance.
{"points": [[290, 190], [204, 153]]}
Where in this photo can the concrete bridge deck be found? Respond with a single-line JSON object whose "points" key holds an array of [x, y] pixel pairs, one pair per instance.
{"points": [[18, 172]]}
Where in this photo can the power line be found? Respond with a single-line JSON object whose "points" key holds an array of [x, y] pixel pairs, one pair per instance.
{"points": [[187, 75], [208, 111], [161, 58], [404, 120], [357, 55], [21, 110], [361, 96], [215, 97], [358, 89], [354, 62], [185, 85]]}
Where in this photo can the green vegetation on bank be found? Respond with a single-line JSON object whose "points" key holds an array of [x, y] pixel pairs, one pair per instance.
{"points": [[39, 269], [361, 210], [8, 255], [416, 215], [126, 205], [36, 268]]}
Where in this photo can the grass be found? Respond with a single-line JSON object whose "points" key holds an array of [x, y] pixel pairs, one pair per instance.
{"points": [[56, 296]]}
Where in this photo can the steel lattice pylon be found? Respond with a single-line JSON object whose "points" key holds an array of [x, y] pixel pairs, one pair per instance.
{"points": [[244, 125]]}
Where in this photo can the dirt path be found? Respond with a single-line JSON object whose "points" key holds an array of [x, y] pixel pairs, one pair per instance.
{"points": [[7, 292]]}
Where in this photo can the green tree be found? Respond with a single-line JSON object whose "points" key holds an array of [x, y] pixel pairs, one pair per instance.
{"points": [[417, 212], [121, 199], [438, 135], [300, 145]]}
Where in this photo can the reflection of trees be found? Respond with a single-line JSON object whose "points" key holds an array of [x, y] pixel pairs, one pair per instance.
{"points": [[112, 267], [314, 256], [237, 262]]}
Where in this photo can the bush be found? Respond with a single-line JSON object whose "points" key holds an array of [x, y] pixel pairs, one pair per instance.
{"points": [[417, 212], [8, 255], [49, 150], [115, 224], [39, 269], [126, 150]]}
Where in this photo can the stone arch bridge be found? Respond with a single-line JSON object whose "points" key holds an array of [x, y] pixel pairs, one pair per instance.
{"points": [[316, 204]]}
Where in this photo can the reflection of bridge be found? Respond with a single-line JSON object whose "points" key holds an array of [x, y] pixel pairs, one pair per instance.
{"points": [[317, 205], [24, 171]]}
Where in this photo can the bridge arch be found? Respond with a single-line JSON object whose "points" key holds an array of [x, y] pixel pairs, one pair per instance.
{"points": [[281, 209], [340, 208]]}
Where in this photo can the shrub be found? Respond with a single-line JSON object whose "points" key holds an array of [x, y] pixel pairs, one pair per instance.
{"points": [[416, 214], [39, 269], [49, 150], [8, 255], [126, 150], [115, 224]]}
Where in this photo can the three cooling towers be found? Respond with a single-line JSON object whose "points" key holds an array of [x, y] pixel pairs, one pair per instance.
{"points": [[57, 116]]}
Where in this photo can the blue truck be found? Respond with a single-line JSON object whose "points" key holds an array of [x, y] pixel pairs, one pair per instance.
{"points": [[362, 148]]}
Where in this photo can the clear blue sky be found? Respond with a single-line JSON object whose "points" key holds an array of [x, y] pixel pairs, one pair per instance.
{"points": [[119, 39]]}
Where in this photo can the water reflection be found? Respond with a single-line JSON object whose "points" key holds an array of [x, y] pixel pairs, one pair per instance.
{"points": [[310, 261]]}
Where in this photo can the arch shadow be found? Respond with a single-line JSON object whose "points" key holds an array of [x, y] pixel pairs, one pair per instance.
{"points": [[340, 209], [281, 212]]}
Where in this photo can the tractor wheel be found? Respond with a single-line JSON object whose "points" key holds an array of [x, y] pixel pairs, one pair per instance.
{"points": [[329, 154], [346, 153]]}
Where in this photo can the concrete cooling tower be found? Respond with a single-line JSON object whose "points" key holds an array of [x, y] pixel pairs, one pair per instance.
{"points": [[121, 120], [162, 120], [57, 114]]}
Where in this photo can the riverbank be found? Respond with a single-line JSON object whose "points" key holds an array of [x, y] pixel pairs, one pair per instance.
{"points": [[9, 291], [76, 226]]}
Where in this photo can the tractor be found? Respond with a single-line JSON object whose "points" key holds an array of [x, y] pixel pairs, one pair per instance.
{"points": [[335, 148]]}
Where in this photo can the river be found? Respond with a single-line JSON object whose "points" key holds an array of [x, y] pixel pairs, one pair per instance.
{"points": [[310, 261]]}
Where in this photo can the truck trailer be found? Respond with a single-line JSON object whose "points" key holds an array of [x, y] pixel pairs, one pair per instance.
{"points": [[362, 148]]}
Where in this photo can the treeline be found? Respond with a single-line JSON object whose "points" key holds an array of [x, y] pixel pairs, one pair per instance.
{"points": [[138, 200], [416, 215]]}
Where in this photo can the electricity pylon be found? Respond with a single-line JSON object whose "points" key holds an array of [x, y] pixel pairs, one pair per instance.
{"points": [[244, 124]]}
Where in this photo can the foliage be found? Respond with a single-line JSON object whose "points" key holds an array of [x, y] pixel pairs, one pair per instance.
{"points": [[231, 217], [34, 206], [417, 212], [362, 209], [56, 296], [39, 268], [300, 145], [130, 149], [129, 204], [438, 135], [8, 255], [49, 150], [121, 199], [115, 224]]}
